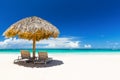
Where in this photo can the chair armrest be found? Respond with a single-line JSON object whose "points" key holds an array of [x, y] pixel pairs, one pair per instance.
{"points": [[49, 59]]}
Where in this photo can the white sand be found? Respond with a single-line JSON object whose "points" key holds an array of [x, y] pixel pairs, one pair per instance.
{"points": [[75, 67]]}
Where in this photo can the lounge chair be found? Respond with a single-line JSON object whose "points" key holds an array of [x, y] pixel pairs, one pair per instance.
{"points": [[42, 58], [25, 56]]}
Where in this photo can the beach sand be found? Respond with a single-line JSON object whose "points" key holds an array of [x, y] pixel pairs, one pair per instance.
{"points": [[64, 67]]}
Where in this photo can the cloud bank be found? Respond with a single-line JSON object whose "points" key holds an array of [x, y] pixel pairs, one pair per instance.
{"points": [[13, 43]]}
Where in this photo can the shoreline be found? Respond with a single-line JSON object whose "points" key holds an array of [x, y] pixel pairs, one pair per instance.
{"points": [[68, 53]]}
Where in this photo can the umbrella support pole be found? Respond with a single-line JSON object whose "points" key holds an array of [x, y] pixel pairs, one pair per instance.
{"points": [[34, 46]]}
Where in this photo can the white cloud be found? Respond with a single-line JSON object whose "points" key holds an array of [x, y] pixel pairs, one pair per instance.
{"points": [[50, 43], [87, 46], [14, 43], [111, 44]]}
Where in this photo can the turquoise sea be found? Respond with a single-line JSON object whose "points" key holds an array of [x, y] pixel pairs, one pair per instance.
{"points": [[64, 51]]}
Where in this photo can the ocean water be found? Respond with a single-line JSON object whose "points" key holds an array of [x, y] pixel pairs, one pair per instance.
{"points": [[64, 51]]}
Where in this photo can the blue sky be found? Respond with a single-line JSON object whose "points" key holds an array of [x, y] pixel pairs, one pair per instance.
{"points": [[82, 23]]}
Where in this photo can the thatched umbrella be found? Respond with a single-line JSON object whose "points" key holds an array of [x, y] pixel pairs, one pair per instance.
{"points": [[32, 28]]}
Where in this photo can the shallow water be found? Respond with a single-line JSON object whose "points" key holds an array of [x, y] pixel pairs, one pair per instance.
{"points": [[64, 51]]}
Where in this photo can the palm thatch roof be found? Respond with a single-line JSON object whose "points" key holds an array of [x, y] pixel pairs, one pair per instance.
{"points": [[32, 26]]}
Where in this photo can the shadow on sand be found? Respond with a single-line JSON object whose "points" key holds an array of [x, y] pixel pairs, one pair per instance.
{"points": [[32, 65]]}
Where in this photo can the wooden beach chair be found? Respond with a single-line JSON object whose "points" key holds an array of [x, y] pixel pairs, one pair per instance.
{"points": [[25, 56], [42, 58]]}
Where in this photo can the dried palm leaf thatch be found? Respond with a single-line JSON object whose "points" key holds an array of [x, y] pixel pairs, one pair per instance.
{"points": [[28, 27]]}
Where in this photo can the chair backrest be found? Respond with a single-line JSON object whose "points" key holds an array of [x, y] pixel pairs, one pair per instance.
{"points": [[25, 54], [42, 55]]}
